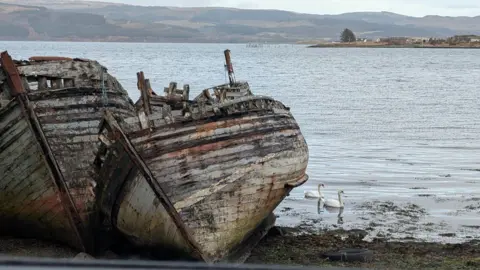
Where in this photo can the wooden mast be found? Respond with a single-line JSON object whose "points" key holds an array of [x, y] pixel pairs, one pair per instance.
{"points": [[229, 66]]}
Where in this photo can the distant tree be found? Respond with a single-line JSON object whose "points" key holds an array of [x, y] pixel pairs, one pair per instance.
{"points": [[347, 36]]}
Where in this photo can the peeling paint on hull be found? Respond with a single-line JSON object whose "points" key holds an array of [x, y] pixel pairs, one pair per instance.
{"points": [[29, 200], [66, 99], [223, 175], [70, 120]]}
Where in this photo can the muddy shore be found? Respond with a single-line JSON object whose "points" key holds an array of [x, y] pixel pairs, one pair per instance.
{"points": [[301, 246], [296, 247]]}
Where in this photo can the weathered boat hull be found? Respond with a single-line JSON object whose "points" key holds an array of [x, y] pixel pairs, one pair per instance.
{"points": [[66, 99], [223, 176], [31, 202], [70, 119]]}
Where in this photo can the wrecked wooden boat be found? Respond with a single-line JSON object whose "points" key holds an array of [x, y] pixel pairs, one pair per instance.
{"points": [[50, 110], [199, 176]]}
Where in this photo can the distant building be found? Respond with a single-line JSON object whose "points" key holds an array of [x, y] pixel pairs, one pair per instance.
{"points": [[395, 40], [466, 38], [363, 40], [417, 40]]}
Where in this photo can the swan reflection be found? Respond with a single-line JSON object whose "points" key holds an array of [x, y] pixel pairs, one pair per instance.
{"points": [[321, 207]]}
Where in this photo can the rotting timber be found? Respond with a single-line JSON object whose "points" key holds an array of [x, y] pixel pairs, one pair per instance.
{"points": [[50, 110], [201, 176]]}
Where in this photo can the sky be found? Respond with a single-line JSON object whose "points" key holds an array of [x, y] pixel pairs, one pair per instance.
{"points": [[406, 7]]}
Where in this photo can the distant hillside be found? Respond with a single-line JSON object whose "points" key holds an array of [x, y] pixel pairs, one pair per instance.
{"points": [[81, 20]]}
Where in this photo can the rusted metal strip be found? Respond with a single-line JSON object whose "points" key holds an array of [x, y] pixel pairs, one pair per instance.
{"points": [[13, 76], [113, 127], [49, 58], [14, 82]]}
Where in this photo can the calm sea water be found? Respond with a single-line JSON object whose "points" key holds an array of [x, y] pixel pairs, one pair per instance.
{"points": [[398, 125]]}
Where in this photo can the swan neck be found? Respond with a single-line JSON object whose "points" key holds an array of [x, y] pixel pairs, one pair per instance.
{"points": [[320, 190], [340, 198]]}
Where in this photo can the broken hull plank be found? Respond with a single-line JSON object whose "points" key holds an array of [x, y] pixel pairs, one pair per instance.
{"points": [[223, 176], [30, 204]]}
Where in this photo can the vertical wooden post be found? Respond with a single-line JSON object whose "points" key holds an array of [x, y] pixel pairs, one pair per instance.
{"points": [[229, 66], [57, 83], [42, 83], [144, 93], [171, 88], [186, 92]]}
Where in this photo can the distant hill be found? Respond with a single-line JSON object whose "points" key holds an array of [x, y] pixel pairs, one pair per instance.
{"points": [[102, 21]]}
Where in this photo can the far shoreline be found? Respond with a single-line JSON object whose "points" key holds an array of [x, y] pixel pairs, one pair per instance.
{"points": [[384, 46]]}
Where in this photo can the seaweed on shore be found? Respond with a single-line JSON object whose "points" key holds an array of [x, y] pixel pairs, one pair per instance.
{"points": [[293, 248]]}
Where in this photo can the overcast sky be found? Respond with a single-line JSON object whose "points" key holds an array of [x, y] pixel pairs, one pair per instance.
{"points": [[407, 7]]}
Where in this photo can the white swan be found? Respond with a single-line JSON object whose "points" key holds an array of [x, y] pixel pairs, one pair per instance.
{"points": [[332, 203], [314, 193]]}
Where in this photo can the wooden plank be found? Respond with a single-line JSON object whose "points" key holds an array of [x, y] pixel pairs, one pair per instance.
{"points": [[60, 184], [49, 58], [63, 69], [15, 84], [147, 222], [160, 194], [72, 115], [72, 130], [239, 172], [76, 92], [72, 125], [24, 174], [12, 132]]}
